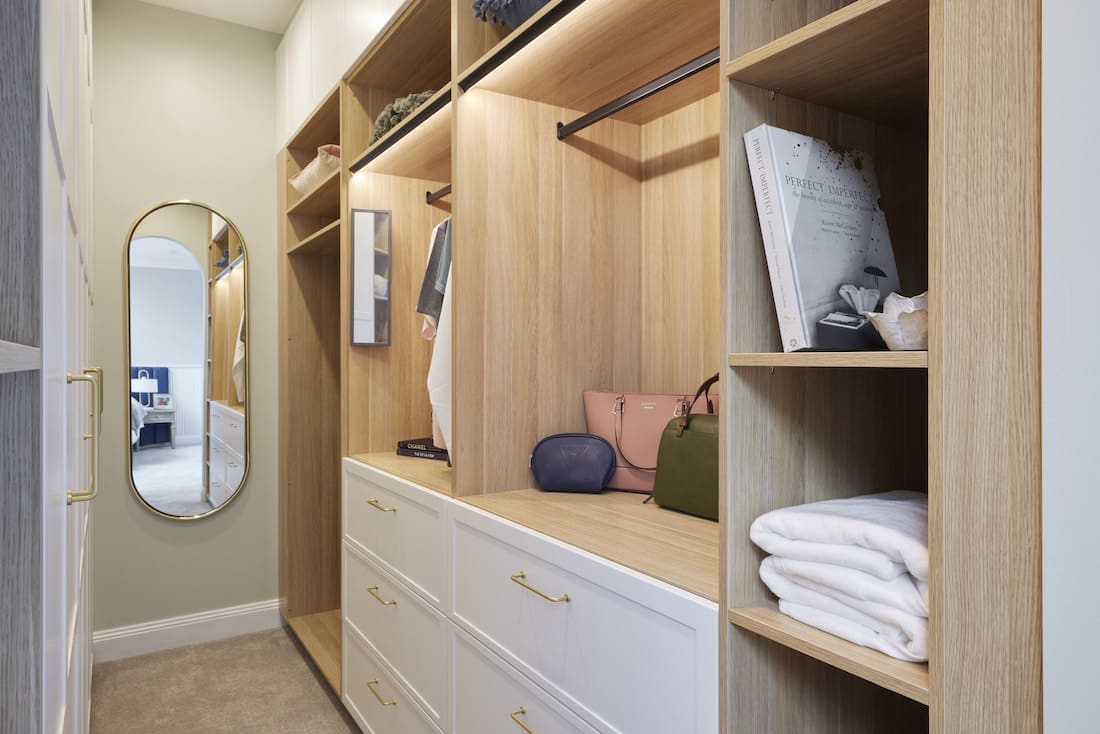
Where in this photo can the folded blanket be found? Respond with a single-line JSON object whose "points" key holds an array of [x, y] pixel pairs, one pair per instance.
{"points": [[849, 586], [881, 627], [884, 534]]}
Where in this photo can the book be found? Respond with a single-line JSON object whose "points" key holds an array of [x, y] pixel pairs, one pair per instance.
{"points": [[438, 454], [823, 227], [420, 444]]}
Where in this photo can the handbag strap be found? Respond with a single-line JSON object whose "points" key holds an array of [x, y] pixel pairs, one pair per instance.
{"points": [[618, 444], [685, 421]]}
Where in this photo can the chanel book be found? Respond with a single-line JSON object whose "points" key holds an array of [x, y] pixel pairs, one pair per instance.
{"points": [[823, 227]]}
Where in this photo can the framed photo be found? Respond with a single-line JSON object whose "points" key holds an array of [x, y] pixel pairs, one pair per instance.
{"points": [[162, 401]]}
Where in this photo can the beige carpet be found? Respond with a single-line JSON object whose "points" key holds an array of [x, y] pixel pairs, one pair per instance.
{"points": [[257, 683]]}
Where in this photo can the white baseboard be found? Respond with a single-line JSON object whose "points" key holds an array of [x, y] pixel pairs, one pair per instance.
{"points": [[190, 629]]}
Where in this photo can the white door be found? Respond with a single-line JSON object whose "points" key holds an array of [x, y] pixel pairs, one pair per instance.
{"points": [[68, 423]]}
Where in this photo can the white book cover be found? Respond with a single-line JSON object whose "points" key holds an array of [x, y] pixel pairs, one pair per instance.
{"points": [[822, 226]]}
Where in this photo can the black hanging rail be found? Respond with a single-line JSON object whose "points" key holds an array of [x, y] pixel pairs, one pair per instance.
{"points": [[433, 196], [680, 73]]}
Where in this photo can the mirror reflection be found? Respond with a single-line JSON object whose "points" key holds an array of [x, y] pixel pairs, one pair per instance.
{"points": [[186, 269], [370, 287]]}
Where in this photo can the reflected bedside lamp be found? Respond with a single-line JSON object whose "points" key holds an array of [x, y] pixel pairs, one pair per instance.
{"points": [[144, 386]]}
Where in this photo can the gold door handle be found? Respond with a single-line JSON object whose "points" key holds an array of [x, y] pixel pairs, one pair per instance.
{"points": [[371, 684], [519, 579], [91, 376], [521, 711], [373, 591], [98, 371], [378, 506]]}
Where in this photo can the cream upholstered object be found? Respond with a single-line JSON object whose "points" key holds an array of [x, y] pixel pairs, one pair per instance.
{"points": [[317, 170]]}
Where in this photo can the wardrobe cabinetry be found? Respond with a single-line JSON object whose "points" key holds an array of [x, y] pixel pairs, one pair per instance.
{"points": [[605, 236]]}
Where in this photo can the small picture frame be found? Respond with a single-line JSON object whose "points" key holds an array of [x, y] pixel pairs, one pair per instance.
{"points": [[162, 401]]}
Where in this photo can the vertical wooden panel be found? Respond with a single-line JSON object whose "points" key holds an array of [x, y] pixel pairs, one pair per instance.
{"points": [[984, 367], [387, 385], [680, 254]]}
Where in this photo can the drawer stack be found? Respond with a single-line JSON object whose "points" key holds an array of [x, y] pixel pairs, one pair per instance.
{"points": [[485, 626], [227, 432]]}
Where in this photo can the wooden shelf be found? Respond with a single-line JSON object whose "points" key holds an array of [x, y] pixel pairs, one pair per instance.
{"points": [[911, 360], [321, 634], [419, 144], [908, 679], [411, 53], [678, 549], [320, 128], [325, 241], [566, 63], [429, 473], [869, 58], [323, 200], [19, 358]]}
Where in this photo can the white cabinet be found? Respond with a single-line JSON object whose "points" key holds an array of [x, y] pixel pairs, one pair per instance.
{"points": [[626, 652], [324, 39], [402, 629], [400, 526], [379, 704], [470, 618], [492, 697]]}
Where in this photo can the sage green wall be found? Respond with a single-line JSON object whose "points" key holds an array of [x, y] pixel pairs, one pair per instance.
{"points": [[182, 110]]}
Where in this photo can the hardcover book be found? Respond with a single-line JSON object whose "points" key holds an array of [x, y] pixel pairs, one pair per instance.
{"points": [[420, 444], [438, 454], [823, 228]]}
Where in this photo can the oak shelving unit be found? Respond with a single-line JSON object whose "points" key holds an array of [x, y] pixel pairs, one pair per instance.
{"points": [[309, 427], [883, 77]]}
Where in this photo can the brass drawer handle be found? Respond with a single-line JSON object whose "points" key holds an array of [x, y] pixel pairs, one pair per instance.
{"points": [[378, 506], [522, 710], [371, 684], [519, 579], [91, 375], [373, 591]]}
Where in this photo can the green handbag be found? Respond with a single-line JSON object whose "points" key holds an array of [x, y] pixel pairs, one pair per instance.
{"points": [[687, 463]]}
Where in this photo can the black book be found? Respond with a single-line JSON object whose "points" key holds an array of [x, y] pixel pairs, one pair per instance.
{"points": [[419, 444], [438, 454]]}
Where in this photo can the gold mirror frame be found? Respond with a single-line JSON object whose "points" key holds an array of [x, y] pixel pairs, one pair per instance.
{"points": [[247, 362]]}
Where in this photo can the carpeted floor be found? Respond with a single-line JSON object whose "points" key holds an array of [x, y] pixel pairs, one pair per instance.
{"points": [[171, 479], [256, 684]]}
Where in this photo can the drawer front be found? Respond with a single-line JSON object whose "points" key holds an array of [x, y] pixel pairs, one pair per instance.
{"points": [[217, 424], [379, 704], [626, 652], [217, 462], [402, 629], [232, 434], [491, 697], [398, 525], [234, 471]]}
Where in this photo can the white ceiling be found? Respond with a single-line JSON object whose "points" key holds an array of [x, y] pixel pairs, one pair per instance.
{"points": [[267, 15], [161, 252]]}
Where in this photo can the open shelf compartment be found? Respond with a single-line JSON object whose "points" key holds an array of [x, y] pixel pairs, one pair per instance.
{"points": [[908, 679], [321, 634], [868, 58]]}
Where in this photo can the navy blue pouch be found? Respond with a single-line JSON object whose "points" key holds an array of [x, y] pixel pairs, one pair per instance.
{"points": [[573, 462]]}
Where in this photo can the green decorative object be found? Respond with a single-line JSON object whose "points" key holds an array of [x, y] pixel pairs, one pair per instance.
{"points": [[396, 111]]}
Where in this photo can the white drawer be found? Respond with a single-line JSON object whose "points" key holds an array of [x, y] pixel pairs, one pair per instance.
{"points": [[379, 704], [402, 629], [626, 652], [219, 493], [234, 471], [217, 462], [398, 525], [228, 426], [491, 697]]}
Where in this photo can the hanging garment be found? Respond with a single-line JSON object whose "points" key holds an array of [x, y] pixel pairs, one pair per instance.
{"points": [[439, 376], [434, 285]]}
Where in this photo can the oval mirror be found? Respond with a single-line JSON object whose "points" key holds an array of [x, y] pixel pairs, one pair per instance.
{"points": [[187, 350]]}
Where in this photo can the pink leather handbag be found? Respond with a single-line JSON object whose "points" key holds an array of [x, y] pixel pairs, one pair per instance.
{"points": [[632, 423]]}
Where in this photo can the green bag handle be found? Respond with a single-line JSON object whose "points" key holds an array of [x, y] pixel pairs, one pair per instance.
{"points": [[704, 388]]}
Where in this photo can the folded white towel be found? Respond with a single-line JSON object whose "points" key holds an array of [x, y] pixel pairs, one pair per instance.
{"points": [[849, 586], [870, 624], [882, 534]]}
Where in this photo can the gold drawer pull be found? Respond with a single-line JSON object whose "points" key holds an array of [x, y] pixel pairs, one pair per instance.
{"points": [[378, 506], [522, 710], [234, 425], [519, 579], [371, 684], [373, 591]]}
